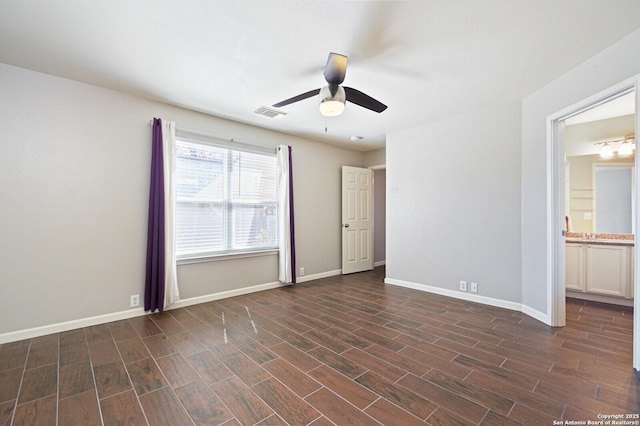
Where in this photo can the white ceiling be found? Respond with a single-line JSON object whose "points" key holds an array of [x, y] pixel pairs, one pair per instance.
{"points": [[426, 60]]}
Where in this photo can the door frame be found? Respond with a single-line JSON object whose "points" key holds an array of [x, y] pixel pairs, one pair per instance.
{"points": [[556, 298]]}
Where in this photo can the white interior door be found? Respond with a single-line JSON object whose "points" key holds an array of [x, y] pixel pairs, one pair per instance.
{"points": [[357, 220]]}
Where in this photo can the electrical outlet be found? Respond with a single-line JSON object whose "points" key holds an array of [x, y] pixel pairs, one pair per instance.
{"points": [[301, 271], [474, 287], [463, 286], [135, 300]]}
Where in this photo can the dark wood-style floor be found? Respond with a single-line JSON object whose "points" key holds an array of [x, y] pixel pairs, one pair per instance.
{"points": [[341, 350]]}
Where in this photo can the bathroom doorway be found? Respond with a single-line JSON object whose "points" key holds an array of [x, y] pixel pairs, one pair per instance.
{"points": [[569, 206]]}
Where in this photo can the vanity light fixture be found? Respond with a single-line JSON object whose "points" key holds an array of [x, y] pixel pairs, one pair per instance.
{"points": [[625, 148], [606, 151]]}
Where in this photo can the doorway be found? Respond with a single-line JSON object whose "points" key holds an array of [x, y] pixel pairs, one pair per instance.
{"points": [[561, 192]]}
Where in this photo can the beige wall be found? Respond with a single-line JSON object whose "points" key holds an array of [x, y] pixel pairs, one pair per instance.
{"points": [[75, 173], [375, 158]]}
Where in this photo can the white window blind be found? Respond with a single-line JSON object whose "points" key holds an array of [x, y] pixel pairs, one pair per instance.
{"points": [[225, 200]]}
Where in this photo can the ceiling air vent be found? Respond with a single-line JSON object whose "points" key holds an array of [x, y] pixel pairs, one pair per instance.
{"points": [[268, 112]]}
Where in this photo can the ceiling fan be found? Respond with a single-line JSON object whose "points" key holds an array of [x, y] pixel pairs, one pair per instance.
{"points": [[333, 96]]}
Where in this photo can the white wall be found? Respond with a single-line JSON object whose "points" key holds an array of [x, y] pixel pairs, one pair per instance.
{"points": [[610, 67], [74, 174], [453, 204]]}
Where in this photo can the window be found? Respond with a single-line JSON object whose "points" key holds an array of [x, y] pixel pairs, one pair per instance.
{"points": [[225, 200]]}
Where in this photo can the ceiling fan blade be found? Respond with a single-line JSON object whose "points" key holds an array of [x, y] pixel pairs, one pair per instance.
{"points": [[364, 100], [300, 97], [336, 68]]}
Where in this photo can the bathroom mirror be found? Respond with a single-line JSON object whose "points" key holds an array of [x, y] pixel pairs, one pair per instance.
{"points": [[614, 198]]}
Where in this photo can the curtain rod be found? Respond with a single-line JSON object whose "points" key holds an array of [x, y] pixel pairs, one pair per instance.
{"points": [[222, 138]]}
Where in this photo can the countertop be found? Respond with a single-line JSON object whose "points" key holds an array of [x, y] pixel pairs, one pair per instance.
{"points": [[601, 239]]}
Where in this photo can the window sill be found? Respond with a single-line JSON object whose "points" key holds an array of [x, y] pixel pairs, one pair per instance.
{"points": [[225, 256]]}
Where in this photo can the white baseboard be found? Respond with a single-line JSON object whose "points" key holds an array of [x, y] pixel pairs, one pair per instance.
{"points": [[379, 263], [318, 276], [60, 327], [536, 314], [472, 298], [130, 313]]}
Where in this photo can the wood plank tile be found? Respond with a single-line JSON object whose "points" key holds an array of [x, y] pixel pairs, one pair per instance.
{"points": [[337, 409], [461, 354], [163, 408], [407, 364], [290, 376], [73, 347], [103, 352], [186, 343], [343, 386], [472, 392], [443, 397], [552, 407], [495, 419], [426, 347], [293, 409], [38, 383], [243, 403], [96, 333], [337, 362], [628, 401], [80, 409], [122, 330], [74, 379], [132, 349], [254, 350], [398, 394], [327, 341], [6, 412], [210, 368], [43, 351], [146, 376], [244, 368], [273, 420], [158, 345], [498, 372], [202, 404], [471, 352], [526, 415], [431, 361], [144, 326], [375, 364], [14, 355], [388, 414], [177, 370], [122, 409], [10, 384], [584, 401], [111, 379], [296, 340], [296, 357], [444, 417], [41, 412]]}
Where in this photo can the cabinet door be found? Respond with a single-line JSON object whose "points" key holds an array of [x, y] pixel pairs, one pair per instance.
{"points": [[574, 262], [607, 270]]}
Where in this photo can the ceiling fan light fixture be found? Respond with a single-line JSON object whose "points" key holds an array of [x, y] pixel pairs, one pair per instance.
{"points": [[332, 106]]}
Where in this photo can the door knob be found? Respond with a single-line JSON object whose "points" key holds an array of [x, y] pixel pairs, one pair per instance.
{"points": [[346, 225]]}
